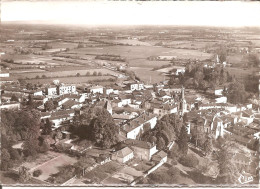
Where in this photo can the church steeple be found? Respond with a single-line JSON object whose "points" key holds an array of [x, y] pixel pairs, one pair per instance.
{"points": [[183, 105], [217, 59]]}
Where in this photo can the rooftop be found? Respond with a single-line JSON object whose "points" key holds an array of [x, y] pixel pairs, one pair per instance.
{"points": [[124, 152], [138, 143]]}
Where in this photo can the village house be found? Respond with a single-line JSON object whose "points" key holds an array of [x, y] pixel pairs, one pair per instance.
{"points": [[71, 104], [177, 70], [123, 155], [163, 109], [124, 116], [247, 116], [135, 86], [142, 150], [139, 125], [95, 89], [217, 91], [106, 104], [221, 99], [4, 73], [58, 117], [66, 89], [10, 106], [51, 90]]}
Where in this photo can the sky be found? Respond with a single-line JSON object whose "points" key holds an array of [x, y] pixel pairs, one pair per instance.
{"points": [[186, 13]]}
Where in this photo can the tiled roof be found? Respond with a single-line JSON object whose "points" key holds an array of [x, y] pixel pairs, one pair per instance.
{"points": [[124, 152], [70, 103], [159, 155], [138, 121], [138, 143]]}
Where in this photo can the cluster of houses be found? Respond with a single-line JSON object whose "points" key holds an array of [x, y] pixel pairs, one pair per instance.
{"points": [[135, 108]]}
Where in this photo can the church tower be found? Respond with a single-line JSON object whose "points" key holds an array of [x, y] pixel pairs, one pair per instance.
{"points": [[217, 59], [183, 104]]}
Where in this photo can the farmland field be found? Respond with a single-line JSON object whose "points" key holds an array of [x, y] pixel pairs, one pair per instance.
{"points": [[25, 71], [74, 80], [62, 73], [56, 44], [142, 52], [146, 74], [129, 41]]}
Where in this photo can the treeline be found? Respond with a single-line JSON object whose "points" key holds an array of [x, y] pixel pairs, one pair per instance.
{"points": [[204, 78], [18, 126], [110, 57], [170, 128], [197, 76]]}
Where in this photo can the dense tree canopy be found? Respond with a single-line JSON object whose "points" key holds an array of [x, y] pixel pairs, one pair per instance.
{"points": [[183, 141], [49, 105], [200, 77], [236, 93], [98, 125], [16, 126], [167, 129]]}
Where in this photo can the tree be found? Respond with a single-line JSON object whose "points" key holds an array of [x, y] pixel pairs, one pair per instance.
{"points": [[47, 127], [44, 76], [88, 73], [228, 172], [37, 173], [78, 74], [14, 154], [160, 143], [5, 159], [29, 121], [147, 127], [99, 74], [253, 60], [37, 77], [236, 93], [185, 118], [14, 98], [5, 155], [153, 140], [98, 125], [189, 160], [58, 136], [80, 45], [30, 101], [24, 174], [31, 147], [49, 106], [94, 73], [208, 146], [29, 86], [44, 147], [183, 141]]}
